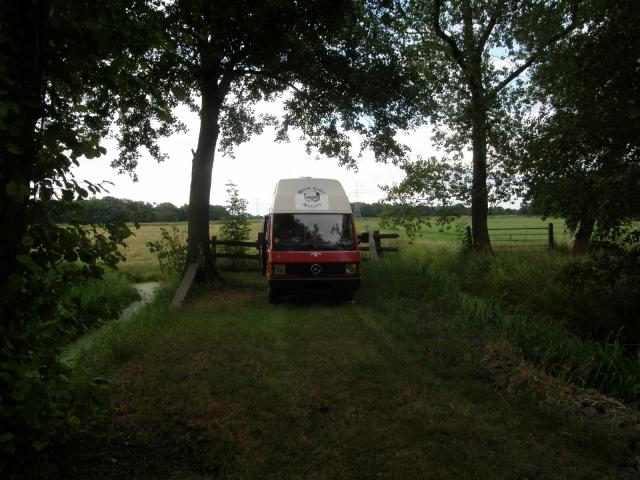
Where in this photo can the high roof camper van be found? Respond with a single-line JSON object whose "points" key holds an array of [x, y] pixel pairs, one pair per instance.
{"points": [[310, 239]]}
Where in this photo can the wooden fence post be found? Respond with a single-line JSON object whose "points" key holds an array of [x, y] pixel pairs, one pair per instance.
{"points": [[469, 239], [376, 243], [551, 242], [373, 253]]}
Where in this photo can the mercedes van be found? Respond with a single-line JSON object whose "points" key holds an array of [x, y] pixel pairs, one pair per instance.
{"points": [[310, 240]]}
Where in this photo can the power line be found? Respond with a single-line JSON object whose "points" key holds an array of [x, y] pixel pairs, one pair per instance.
{"points": [[356, 208]]}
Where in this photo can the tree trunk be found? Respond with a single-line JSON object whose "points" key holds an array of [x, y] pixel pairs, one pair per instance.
{"points": [[23, 54], [479, 194], [582, 241], [199, 249]]}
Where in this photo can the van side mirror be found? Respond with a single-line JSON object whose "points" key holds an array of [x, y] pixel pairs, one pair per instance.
{"points": [[364, 237]]}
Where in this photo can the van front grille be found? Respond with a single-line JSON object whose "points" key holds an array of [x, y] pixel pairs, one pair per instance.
{"points": [[305, 269]]}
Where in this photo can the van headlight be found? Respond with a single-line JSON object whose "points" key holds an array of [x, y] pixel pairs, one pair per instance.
{"points": [[350, 268], [279, 269]]}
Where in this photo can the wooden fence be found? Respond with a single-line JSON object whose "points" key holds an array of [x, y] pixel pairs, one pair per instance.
{"points": [[520, 238], [375, 250], [233, 243], [375, 247]]}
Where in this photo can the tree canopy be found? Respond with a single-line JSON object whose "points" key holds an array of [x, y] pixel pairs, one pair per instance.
{"points": [[69, 70], [473, 54], [330, 58], [581, 152]]}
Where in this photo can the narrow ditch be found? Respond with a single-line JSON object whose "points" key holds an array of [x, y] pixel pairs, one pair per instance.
{"points": [[147, 290]]}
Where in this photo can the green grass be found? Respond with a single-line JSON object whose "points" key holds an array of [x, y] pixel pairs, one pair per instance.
{"points": [[142, 266], [449, 235], [386, 387], [520, 298], [546, 342]]}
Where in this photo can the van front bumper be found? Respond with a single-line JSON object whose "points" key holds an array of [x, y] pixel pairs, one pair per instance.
{"points": [[317, 283]]}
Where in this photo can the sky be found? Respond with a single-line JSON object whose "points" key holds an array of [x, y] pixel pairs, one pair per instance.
{"points": [[256, 168]]}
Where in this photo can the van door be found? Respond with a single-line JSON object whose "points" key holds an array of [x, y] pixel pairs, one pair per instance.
{"points": [[264, 245]]}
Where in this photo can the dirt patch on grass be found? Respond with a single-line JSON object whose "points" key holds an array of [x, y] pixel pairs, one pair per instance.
{"points": [[220, 298]]}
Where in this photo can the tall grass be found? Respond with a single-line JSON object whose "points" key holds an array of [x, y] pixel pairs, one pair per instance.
{"points": [[517, 298], [119, 339], [101, 299], [606, 366]]}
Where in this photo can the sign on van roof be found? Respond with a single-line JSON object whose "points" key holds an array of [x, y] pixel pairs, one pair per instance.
{"points": [[323, 195]]}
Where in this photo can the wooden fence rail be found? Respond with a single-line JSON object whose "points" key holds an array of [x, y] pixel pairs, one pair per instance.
{"points": [[233, 243], [375, 247]]}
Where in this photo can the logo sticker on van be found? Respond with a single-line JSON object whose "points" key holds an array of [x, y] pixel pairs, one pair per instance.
{"points": [[311, 198]]}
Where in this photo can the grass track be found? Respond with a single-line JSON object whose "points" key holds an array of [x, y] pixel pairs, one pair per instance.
{"points": [[233, 388]]}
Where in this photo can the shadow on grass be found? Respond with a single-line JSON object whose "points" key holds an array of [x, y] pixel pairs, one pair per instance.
{"points": [[387, 387]]}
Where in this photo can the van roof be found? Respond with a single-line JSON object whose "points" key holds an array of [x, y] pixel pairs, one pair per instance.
{"points": [[306, 194]]}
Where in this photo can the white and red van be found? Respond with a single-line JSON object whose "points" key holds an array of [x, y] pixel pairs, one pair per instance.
{"points": [[310, 239]]}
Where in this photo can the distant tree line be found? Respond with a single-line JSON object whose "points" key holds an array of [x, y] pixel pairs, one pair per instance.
{"points": [[378, 209], [113, 210]]}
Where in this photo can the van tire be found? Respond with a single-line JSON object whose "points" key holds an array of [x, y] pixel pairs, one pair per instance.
{"points": [[274, 295], [345, 295]]}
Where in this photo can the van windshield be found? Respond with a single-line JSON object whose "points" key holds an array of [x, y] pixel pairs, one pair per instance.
{"points": [[312, 231]]}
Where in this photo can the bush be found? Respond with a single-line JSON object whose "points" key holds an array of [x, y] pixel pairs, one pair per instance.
{"points": [[236, 226], [603, 293], [171, 250], [92, 302], [39, 405]]}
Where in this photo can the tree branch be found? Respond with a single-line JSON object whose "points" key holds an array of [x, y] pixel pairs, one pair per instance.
{"points": [[484, 38], [457, 54], [248, 71], [467, 26], [537, 55]]}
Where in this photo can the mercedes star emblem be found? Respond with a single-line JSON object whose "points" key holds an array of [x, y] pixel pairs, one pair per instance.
{"points": [[316, 269]]}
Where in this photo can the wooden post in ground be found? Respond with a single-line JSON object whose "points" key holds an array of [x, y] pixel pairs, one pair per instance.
{"points": [[376, 243], [469, 239], [551, 242], [185, 285], [373, 252], [262, 253]]}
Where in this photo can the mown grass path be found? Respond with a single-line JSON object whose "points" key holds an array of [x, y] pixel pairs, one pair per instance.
{"points": [[231, 387]]}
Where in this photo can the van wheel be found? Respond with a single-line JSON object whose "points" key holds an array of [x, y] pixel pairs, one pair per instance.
{"points": [[274, 295], [346, 295]]}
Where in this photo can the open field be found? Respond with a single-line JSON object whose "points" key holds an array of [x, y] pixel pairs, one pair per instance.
{"points": [[142, 265], [388, 387]]}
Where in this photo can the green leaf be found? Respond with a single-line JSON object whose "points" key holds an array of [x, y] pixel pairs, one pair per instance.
{"points": [[179, 93], [27, 241], [17, 191], [14, 149], [40, 444], [28, 262], [6, 437], [164, 116], [14, 282]]}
